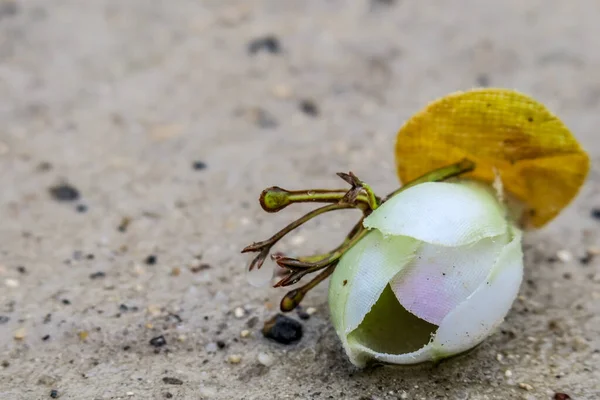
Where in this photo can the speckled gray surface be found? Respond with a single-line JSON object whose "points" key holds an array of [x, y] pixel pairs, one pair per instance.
{"points": [[121, 97]]}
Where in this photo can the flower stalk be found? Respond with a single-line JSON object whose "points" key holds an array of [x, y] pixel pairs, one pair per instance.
{"points": [[360, 196]]}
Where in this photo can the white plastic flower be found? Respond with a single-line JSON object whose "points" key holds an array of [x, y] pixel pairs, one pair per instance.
{"points": [[438, 271]]}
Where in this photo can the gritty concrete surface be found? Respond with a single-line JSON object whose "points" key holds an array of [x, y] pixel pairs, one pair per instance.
{"points": [[120, 98]]}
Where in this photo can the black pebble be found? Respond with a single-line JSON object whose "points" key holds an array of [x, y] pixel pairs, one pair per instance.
{"points": [[54, 394], [158, 341], [596, 213], [81, 208], [303, 315], [308, 107], [97, 275], [221, 344], [151, 259], [168, 395], [172, 381], [64, 192], [4, 319], [46, 338], [66, 302], [283, 329], [267, 43], [21, 269], [199, 165], [123, 307]]}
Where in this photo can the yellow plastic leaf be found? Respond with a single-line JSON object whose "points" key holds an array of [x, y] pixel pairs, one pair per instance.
{"points": [[504, 132]]}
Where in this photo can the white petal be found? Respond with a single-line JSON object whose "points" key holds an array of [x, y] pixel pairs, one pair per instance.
{"points": [[478, 316], [363, 273], [440, 278], [448, 214], [468, 324]]}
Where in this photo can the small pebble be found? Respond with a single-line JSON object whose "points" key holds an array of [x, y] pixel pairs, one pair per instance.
{"points": [[83, 335], [525, 386], [561, 396], [151, 259], [4, 319], [54, 394], [21, 269], [97, 275], [221, 344], [172, 381], [239, 312], [311, 310], [45, 338], [199, 165], [308, 107], [245, 333], [64, 192], [234, 359], [595, 213], [508, 373], [283, 329], [267, 43], [20, 334], [158, 341], [265, 359], [81, 208], [176, 271], [564, 255], [130, 394], [11, 283]]}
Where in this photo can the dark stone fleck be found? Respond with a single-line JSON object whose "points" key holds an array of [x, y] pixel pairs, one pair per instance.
{"points": [[168, 395], [123, 307], [81, 208], [54, 394], [4, 319], [267, 43], [5, 364], [282, 329], [309, 107], [8, 8], [172, 381], [199, 165], [97, 275], [126, 348], [66, 302], [21, 269], [45, 338], [483, 80], [151, 259], [64, 192], [125, 221], [90, 256], [158, 341], [561, 396], [585, 260], [302, 314], [47, 318], [199, 268], [251, 323], [596, 213], [221, 344], [44, 166]]}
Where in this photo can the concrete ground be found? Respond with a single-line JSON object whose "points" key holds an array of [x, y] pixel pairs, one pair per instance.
{"points": [[119, 99]]}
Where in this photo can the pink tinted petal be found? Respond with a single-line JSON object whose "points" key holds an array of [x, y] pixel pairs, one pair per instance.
{"points": [[440, 278]]}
